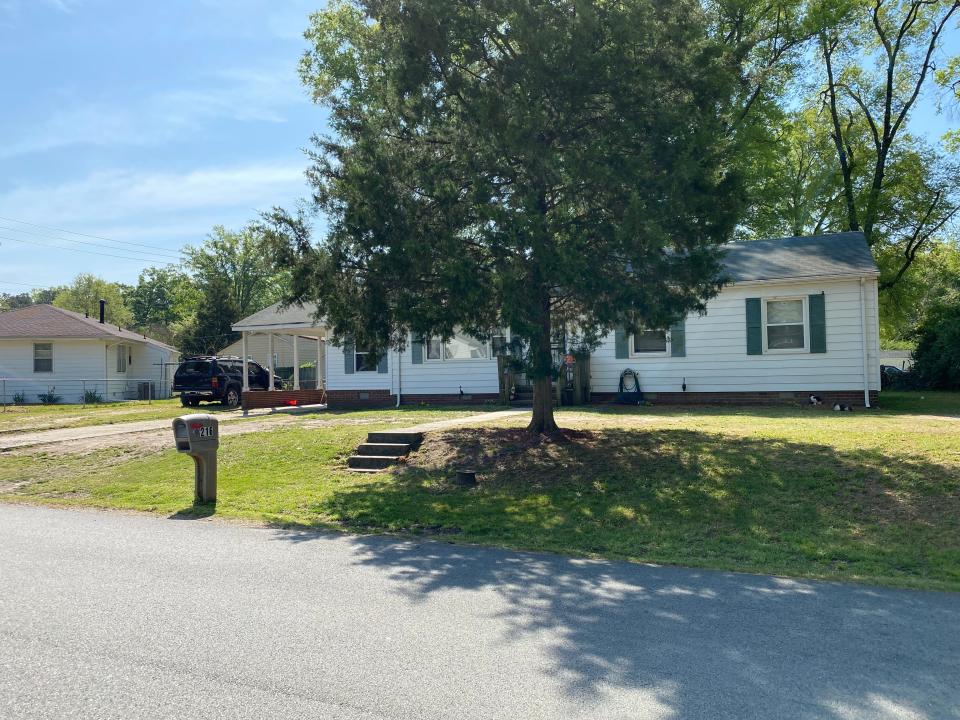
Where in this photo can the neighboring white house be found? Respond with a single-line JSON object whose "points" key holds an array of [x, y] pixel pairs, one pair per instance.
{"points": [[46, 350], [797, 316]]}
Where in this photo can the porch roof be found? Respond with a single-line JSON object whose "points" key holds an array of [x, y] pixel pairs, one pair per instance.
{"points": [[292, 320]]}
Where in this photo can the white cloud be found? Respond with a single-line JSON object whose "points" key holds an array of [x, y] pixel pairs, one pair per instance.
{"points": [[241, 95], [137, 199], [12, 10]]}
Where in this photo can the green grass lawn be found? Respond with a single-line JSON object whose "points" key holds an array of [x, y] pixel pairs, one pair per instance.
{"points": [[44, 417], [871, 496]]}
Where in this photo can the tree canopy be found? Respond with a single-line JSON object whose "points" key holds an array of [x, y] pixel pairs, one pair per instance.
{"points": [[504, 163], [84, 296]]}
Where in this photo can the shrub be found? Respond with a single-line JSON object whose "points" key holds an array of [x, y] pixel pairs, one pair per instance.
{"points": [[20, 398], [49, 397], [937, 356], [92, 397]]}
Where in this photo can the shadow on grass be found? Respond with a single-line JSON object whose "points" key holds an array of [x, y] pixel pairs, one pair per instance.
{"points": [[197, 511], [673, 495], [695, 643]]}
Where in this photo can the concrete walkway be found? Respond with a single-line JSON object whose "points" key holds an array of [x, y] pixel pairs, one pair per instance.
{"points": [[128, 616], [468, 420]]}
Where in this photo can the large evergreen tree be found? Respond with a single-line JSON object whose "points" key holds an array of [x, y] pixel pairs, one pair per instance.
{"points": [[515, 163]]}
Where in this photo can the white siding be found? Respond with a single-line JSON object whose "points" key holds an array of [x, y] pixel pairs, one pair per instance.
{"points": [[716, 356], [80, 365], [446, 377], [73, 361], [432, 377], [337, 379]]}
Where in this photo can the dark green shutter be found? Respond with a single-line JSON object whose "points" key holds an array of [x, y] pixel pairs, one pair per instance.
{"points": [[818, 323], [678, 339], [349, 359], [416, 351], [620, 345], [754, 327], [382, 364]]}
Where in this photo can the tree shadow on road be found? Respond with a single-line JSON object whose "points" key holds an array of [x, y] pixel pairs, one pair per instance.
{"points": [[695, 643]]}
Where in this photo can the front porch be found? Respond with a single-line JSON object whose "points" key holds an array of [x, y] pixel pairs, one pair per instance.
{"points": [[288, 327]]}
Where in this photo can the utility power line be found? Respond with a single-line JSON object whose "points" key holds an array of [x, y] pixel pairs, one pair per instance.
{"points": [[45, 236], [32, 286], [80, 250], [72, 232], [156, 257]]}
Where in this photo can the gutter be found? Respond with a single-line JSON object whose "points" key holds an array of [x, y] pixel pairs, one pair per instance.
{"points": [[801, 279], [864, 343]]}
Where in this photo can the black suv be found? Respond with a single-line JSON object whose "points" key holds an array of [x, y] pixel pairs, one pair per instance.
{"points": [[217, 379]]}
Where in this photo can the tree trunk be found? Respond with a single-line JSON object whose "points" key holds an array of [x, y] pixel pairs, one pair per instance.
{"points": [[542, 420]]}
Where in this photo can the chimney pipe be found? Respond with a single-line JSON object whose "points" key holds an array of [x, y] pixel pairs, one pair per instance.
{"points": [[103, 305]]}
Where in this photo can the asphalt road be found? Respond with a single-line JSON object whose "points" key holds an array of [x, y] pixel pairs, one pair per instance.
{"points": [[121, 616]]}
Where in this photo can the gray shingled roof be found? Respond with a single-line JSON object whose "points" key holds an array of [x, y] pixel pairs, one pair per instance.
{"points": [[274, 316], [47, 321], [843, 253]]}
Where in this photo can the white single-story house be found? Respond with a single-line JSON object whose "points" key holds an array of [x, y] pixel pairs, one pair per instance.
{"points": [[798, 316], [46, 351]]}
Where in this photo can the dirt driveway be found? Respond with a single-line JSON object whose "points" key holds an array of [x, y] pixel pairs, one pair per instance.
{"points": [[145, 435]]}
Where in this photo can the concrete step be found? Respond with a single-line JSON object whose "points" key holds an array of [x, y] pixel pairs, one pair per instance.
{"points": [[391, 449], [395, 436], [371, 462]]}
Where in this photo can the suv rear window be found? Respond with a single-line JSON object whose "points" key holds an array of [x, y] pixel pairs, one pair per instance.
{"points": [[194, 367]]}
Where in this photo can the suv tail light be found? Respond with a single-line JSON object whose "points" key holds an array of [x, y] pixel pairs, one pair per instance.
{"points": [[215, 382]]}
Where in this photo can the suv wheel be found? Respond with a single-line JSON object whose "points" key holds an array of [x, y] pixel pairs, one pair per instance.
{"points": [[231, 398], [185, 401]]}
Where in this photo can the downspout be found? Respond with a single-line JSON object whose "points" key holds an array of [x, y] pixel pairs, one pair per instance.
{"points": [[399, 356], [863, 340]]}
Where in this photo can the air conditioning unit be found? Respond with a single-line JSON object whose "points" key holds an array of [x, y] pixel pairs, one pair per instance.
{"points": [[146, 390]]}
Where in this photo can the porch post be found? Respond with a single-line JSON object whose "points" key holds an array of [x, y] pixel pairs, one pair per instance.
{"points": [[321, 369], [296, 362], [243, 351], [270, 360]]}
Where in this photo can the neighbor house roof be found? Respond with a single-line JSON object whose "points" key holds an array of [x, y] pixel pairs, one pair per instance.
{"points": [[276, 317], [845, 253], [47, 321]]}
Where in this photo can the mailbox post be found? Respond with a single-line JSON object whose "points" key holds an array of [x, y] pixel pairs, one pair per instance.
{"points": [[199, 437]]}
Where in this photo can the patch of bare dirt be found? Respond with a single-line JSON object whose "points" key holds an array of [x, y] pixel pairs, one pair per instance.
{"points": [[139, 444], [504, 453]]}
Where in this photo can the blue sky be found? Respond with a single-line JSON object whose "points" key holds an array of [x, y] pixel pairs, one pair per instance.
{"points": [[149, 122], [144, 122]]}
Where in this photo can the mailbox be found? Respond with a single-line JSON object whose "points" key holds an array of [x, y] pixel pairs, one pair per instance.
{"points": [[199, 437]]}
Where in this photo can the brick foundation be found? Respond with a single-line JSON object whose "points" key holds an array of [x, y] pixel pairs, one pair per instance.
{"points": [[337, 399], [449, 399], [255, 399], [850, 397]]}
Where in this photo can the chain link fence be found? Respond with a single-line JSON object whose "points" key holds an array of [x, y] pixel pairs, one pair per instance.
{"points": [[80, 391]]}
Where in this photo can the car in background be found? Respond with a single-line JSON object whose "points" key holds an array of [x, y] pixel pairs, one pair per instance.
{"points": [[894, 378], [218, 379]]}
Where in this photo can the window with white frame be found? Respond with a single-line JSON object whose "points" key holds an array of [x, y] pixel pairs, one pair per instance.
{"points": [[364, 361], [785, 324], [459, 347], [649, 342], [43, 357], [122, 353]]}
